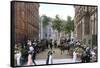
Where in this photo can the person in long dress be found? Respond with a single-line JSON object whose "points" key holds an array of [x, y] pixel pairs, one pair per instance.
{"points": [[17, 55], [74, 57], [49, 58], [29, 59], [30, 53]]}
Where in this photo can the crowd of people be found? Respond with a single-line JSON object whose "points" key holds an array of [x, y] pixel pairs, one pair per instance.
{"points": [[86, 52], [76, 48], [25, 53]]}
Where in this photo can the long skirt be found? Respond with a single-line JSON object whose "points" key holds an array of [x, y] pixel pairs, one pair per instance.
{"points": [[29, 60], [74, 57], [17, 57]]}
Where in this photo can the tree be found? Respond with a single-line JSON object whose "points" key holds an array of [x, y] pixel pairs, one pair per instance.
{"points": [[45, 20], [57, 23], [69, 25]]}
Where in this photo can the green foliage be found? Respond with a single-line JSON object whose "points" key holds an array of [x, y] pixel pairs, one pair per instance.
{"points": [[45, 20], [57, 23], [79, 50], [69, 25], [18, 48], [63, 25]]}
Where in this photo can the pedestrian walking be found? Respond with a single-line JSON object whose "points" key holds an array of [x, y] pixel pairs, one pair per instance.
{"points": [[74, 57], [35, 46], [72, 43], [30, 54], [46, 43], [51, 44], [88, 54], [55, 43], [49, 58], [62, 47], [17, 54], [83, 57], [93, 57], [78, 44]]}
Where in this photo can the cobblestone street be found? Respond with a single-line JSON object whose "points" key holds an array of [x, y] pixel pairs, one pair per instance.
{"points": [[57, 57]]}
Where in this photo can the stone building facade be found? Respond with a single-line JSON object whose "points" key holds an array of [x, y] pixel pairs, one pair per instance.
{"points": [[26, 21], [86, 24]]}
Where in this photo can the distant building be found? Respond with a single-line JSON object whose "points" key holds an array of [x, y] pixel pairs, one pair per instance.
{"points": [[47, 32], [42, 30], [26, 21], [86, 24]]}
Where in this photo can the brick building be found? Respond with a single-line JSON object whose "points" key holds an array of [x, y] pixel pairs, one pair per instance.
{"points": [[26, 21], [86, 24]]}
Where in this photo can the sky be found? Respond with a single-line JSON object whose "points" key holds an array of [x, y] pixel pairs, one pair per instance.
{"points": [[63, 13], [52, 10]]}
